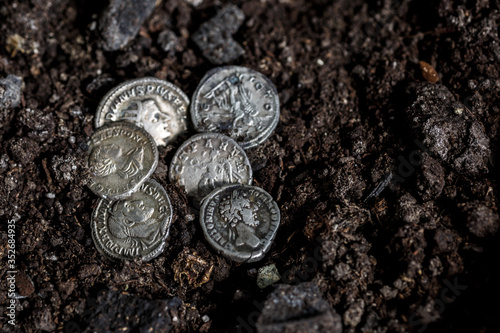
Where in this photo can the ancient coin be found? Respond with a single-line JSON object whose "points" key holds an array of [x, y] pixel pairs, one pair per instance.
{"points": [[135, 227], [238, 102], [122, 156], [240, 221], [158, 106], [207, 161]]}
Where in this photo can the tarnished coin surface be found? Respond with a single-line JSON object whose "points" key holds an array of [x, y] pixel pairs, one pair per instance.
{"points": [[238, 102], [240, 221], [158, 106], [207, 161], [135, 227], [122, 156]]}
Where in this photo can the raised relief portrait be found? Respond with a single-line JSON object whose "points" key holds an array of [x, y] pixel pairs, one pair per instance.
{"points": [[215, 173], [132, 221], [109, 159], [239, 215], [149, 115], [234, 100]]}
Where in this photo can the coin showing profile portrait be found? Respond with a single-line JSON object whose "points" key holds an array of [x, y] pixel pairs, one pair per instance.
{"points": [[238, 102], [122, 157], [240, 221], [158, 106], [135, 227], [207, 161]]}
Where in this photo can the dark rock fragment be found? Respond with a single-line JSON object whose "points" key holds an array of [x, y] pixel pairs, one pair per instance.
{"points": [[448, 129], [481, 220], [298, 309], [115, 311], [10, 91], [430, 180], [214, 37], [23, 150], [121, 20]]}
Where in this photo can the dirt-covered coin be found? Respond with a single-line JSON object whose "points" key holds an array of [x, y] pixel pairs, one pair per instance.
{"points": [[122, 156], [135, 227], [240, 221], [158, 106], [238, 102], [207, 161]]}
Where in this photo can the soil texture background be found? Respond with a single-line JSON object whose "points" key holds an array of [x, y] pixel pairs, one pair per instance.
{"points": [[384, 165]]}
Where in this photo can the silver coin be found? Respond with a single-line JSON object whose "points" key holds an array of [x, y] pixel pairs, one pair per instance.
{"points": [[207, 161], [236, 101], [122, 157], [158, 106], [135, 227], [240, 221]]}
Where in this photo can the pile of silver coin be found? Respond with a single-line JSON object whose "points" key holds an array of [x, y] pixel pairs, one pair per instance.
{"points": [[234, 108]]}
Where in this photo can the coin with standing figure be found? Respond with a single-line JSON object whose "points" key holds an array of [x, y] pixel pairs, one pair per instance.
{"points": [[122, 157], [158, 106], [240, 221], [238, 102], [207, 161], [135, 227]]}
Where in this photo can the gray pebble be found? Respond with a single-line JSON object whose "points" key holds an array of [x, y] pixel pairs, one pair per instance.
{"points": [[267, 276], [121, 20], [297, 309], [214, 37], [10, 91], [450, 132]]}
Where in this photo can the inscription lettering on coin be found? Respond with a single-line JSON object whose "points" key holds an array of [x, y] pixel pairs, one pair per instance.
{"points": [[240, 221], [135, 227], [122, 156], [207, 161], [158, 106], [236, 101]]}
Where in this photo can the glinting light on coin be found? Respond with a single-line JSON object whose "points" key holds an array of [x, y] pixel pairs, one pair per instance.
{"points": [[238, 102], [158, 106], [122, 157], [135, 227], [207, 161]]}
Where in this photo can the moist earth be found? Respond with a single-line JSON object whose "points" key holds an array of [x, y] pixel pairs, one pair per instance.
{"points": [[384, 165]]}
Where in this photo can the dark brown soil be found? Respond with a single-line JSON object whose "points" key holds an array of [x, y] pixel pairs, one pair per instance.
{"points": [[357, 113]]}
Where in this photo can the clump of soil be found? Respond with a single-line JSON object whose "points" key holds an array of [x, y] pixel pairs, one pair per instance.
{"points": [[357, 111]]}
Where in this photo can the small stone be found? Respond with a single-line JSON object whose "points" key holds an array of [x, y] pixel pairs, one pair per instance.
{"points": [[267, 276], [168, 41], [482, 220], [205, 319], [10, 92], [298, 309], [428, 72], [121, 20], [42, 319], [89, 270], [214, 37], [453, 136]]}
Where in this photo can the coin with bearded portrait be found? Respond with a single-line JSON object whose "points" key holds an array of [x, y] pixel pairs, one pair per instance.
{"points": [[158, 106], [240, 221], [122, 157], [135, 227]]}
